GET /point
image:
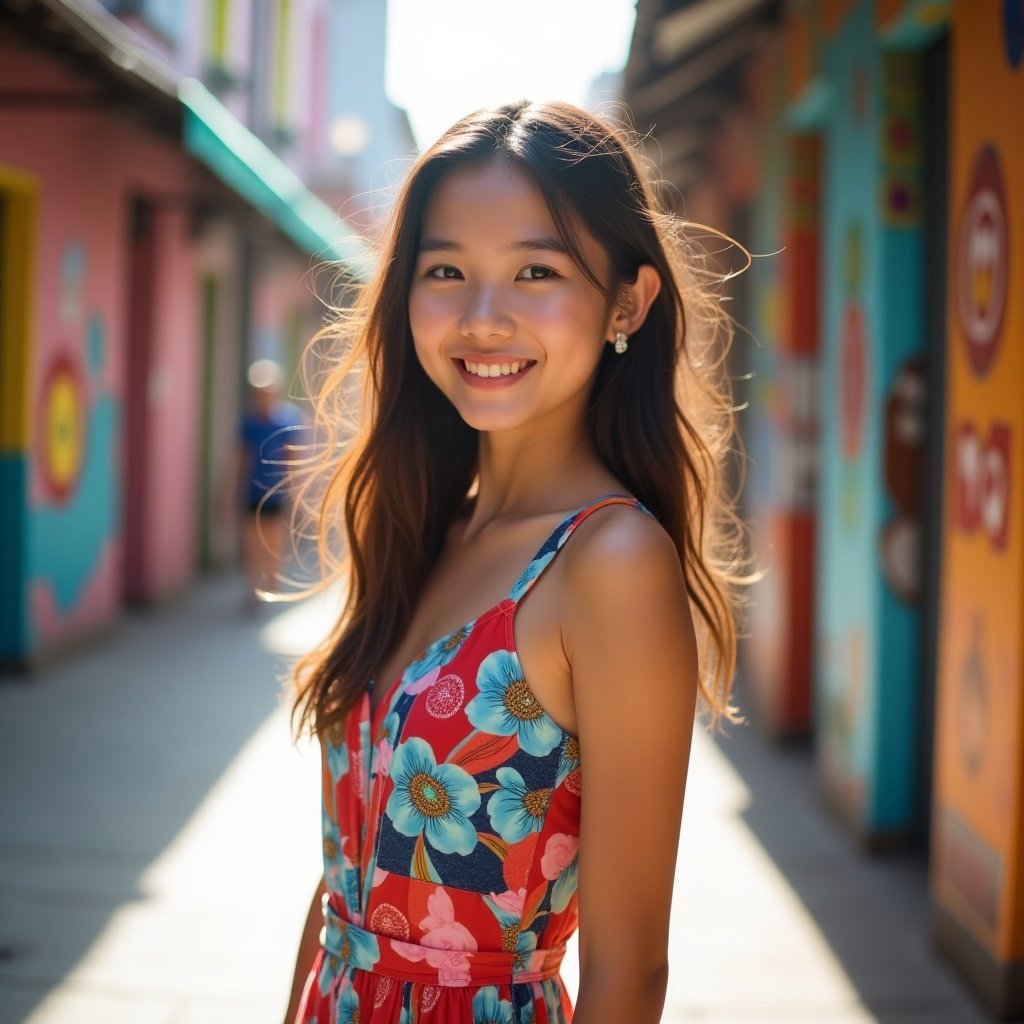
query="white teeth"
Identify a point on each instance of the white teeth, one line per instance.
(493, 369)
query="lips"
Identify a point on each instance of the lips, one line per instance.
(501, 380)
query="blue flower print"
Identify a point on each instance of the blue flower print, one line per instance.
(348, 1006)
(516, 811)
(552, 1003)
(528, 1013)
(533, 570)
(336, 750)
(565, 885)
(435, 799)
(489, 1009)
(569, 761)
(439, 653)
(357, 948)
(526, 945)
(505, 705)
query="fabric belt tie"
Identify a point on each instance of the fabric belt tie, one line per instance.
(364, 950)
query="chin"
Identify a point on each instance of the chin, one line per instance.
(492, 420)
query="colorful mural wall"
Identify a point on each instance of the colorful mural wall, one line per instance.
(18, 198)
(64, 370)
(872, 436)
(783, 477)
(978, 830)
(75, 482)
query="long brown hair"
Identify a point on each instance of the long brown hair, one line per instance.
(661, 418)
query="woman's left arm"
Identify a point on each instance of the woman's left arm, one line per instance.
(630, 641)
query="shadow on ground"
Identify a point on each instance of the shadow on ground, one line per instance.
(872, 909)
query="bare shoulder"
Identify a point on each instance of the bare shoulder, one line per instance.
(619, 552)
(624, 586)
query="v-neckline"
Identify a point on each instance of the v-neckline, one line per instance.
(388, 694)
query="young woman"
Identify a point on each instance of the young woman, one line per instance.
(505, 716)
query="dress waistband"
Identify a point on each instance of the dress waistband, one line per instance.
(364, 950)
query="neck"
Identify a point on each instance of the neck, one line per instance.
(535, 470)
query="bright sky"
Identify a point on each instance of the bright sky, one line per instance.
(448, 57)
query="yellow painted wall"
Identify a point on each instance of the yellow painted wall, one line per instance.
(18, 195)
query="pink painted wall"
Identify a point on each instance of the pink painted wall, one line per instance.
(173, 402)
(88, 163)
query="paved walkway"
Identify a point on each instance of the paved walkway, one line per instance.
(159, 843)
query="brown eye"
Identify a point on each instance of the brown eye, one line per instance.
(536, 272)
(445, 272)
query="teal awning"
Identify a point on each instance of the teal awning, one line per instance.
(247, 166)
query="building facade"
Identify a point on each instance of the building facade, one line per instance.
(875, 147)
(157, 233)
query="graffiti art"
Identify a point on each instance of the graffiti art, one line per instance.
(982, 262)
(62, 426)
(982, 481)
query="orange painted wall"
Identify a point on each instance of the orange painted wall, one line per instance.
(978, 833)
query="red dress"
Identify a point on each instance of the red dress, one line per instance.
(450, 837)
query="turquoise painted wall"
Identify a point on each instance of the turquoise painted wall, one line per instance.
(13, 617)
(866, 638)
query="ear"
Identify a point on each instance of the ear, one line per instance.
(635, 301)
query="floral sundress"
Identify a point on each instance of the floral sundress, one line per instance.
(450, 838)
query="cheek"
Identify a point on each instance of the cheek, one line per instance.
(427, 314)
(569, 309)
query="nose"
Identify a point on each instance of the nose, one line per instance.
(485, 314)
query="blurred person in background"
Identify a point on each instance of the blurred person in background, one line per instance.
(268, 435)
(542, 362)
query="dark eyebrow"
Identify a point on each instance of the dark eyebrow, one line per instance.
(544, 244)
(539, 245)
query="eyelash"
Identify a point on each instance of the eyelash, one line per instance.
(432, 272)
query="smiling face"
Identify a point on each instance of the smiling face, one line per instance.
(503, 321)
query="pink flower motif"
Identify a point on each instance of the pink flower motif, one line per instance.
(384, 752)
(379, 874)
(444, 943)
(559, 851)
(425, 681)
(509, 901)
(357, 773)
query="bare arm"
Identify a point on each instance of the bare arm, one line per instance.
(629, 637)
(308, 946)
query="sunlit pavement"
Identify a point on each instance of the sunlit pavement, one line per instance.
(159, 842)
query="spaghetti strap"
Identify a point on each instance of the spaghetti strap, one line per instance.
(561, 533)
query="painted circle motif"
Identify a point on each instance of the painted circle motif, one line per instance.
(983, 262)
(445, 697)
(572, 782)
(387, 919)
(62, 427)
(853, 381)
(429, 995)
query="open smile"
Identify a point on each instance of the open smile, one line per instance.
(493, 374)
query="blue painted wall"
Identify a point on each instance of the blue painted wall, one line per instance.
(14, 641)
(866, 638)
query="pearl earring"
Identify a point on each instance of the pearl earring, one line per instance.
(621, 344)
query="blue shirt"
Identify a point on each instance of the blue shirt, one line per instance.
(267, 441)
